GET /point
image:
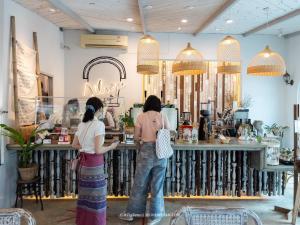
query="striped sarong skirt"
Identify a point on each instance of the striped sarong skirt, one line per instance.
(91, 203)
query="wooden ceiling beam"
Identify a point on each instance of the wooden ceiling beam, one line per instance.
(63, 8)
(142, 16)
(214, 16)
(272, 22)
(290, 35)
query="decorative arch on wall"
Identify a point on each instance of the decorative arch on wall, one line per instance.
(104, 59)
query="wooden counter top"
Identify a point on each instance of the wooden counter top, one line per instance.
(234, 145)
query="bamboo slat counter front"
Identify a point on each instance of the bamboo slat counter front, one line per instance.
(204, 169)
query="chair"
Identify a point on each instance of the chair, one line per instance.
(35, 184)
(215, 216)
(13, 217)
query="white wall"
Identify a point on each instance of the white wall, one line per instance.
(268, 93)
(51, 62)
(293, 92)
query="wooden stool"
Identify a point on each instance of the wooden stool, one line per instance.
(36, 186)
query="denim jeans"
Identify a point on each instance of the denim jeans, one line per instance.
(150, 173)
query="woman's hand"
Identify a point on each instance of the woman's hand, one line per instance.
(114, 145)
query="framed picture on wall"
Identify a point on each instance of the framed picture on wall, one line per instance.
(46, 85)
(46, 93)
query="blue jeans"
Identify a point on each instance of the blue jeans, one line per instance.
(150, 172)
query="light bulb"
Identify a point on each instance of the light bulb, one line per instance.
(189, 52)
(227, 42)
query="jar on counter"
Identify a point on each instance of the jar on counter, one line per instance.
(195, 134)
(187, 133)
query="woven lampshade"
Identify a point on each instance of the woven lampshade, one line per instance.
(267, 63)
(189, 62)
(148, 55)
(229, 56)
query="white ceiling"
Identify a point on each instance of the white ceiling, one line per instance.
(166, 15)
(248, 14)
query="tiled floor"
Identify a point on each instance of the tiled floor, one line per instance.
(61, 211)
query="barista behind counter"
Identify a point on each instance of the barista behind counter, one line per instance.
(108, 120)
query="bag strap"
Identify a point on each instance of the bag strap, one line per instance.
(86, 130)
(163, 121)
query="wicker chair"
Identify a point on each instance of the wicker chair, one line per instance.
(14, 217)
(215, 216)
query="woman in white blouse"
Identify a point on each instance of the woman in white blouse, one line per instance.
(89, 139)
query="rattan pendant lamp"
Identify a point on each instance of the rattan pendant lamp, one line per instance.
(229, 56)
(267, 63)
(189, 62)
(148, 56)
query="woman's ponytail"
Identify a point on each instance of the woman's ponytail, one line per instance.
(92, 106)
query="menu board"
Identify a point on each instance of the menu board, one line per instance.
(27, 83)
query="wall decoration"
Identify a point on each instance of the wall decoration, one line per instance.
(188, 92)
(27, 83)
(99, 88)
(104, 59)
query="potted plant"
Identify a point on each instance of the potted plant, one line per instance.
(128, 123)
(27, 169)
(276, 130)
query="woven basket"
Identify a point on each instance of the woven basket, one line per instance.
(29, 173)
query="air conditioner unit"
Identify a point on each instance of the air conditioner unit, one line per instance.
(103, 41)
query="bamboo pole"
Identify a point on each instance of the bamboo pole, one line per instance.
(192, 99)
(181, 87)
(14, 69)
(223, 92)
(37, 65)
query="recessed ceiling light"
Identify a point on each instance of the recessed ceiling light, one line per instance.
(184, 21)
(129, 19)
(229, 21)
(179, 28)
(52, 10)
(92, 3)
(189, 7)
(148, 7)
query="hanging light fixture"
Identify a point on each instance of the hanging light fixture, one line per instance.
(189, 62)
(148, 56)
(267, 63)
(229, 56)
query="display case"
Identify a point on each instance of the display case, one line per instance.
(60, 117)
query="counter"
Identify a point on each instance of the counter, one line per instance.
(234, 169)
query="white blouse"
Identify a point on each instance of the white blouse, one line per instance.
(87, 132)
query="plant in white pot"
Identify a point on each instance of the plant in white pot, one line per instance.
(27, 169)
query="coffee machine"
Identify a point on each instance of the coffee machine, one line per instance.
(205, 126)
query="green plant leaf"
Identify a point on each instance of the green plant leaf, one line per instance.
(13, 134)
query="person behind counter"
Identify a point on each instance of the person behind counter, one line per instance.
(71, 115)
(91, 203)
(109, 120)
(150, 171)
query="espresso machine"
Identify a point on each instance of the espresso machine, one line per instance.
(205, 127)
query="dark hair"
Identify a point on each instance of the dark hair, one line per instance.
(73, 101)
(152, 103)
(92, 106)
